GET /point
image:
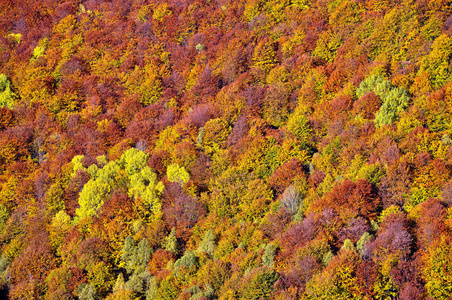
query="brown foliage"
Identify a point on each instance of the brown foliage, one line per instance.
(285, 174)
(366, 274)
(180, 210)
(275, 223)
(393, 237)
(74, 188)
(359, 197)
(340, 106)
(299, 234)
(395, 184)
(367, 105)
(6, 117)
(127, 110)
(32, 266)
(159, 261)
(430, 225)
(91, 251)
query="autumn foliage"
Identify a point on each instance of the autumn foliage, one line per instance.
(257, 149)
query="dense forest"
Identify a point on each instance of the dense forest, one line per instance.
(220, 149)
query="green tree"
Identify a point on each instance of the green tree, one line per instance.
(134, 258)
(143, 255)
(395, 99)
(144, 185)
(128, 254)
(86, 292)
(5, 271)
(134, 160)
(374, 83)
(135, 283)
(178, 174)
(7, 96)
(186, 264)
(348, 245)
(152, 289)
(170, 242)
(365, 238)
(269, 255)
(258, 284)
(208, 243)
(92, 198)
(394, 103)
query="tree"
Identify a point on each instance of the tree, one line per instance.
(208, 243)
(144, 185)
(277, 106)
(61, 224)
(170, 242)
(92, 198)
(57, 281)
(216, 131)
(100, 276)
(128, 254)
(393, 103)
(29, 270)
(367, 105)
(327, 45)
(119, 284)
(86, 292)
(226, 192)
(144, 252)
(269, 255)
(134, 258)
(167, 290)
(134, 160)
(178, 174)
(359, 197)
(254, 203)
(298, 125)
(437, 63)
(394, 99)
(6, 117)
(264, 55)
(7, 96)
(160, 260)
(291, 199)
(258, 284)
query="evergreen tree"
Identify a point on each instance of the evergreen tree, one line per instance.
(170, 242)
(208, 243)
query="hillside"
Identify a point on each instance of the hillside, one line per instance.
(219, 149)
